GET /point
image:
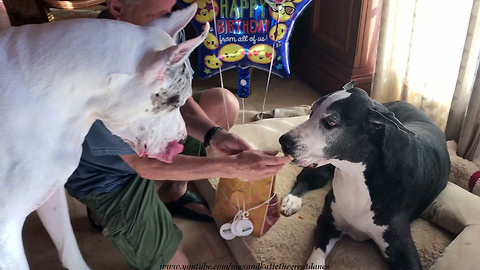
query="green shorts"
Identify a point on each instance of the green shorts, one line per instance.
(137, 221)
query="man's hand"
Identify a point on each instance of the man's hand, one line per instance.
(226, 143)
(257, 165)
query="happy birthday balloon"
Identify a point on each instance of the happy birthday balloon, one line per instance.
(245, 33)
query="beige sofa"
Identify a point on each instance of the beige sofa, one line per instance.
(447, 236)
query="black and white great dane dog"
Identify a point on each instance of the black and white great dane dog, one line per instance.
(388, 163)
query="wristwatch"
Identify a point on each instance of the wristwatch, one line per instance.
(209, 135)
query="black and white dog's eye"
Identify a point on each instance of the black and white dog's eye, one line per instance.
(329, 122)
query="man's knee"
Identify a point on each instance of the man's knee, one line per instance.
(217, 98)
(213, 103)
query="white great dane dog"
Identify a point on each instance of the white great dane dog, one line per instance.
(56, 80)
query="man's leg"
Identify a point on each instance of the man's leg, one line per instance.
(179, 258)
(212, 102)
(139, 224)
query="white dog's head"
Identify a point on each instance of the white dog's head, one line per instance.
(148, 116)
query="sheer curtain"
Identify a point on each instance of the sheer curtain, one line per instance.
(428, 54)
(463, 123)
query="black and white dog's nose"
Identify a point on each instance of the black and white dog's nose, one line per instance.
(287, 142)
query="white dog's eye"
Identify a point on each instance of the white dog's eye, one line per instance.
(141, 128)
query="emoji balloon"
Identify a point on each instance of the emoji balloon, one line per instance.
(243, 34)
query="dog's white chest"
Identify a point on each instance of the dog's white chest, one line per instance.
(351, 209)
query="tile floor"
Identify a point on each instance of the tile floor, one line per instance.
(201, 242)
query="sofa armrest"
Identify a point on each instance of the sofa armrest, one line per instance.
(454, 209)
(462, 253)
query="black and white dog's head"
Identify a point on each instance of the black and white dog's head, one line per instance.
(343, 125)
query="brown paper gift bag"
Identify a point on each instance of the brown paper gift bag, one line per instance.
(232, 193)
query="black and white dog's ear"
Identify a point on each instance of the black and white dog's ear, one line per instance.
(173, 22)
(348, 85)
(175, 55)
(379, 120)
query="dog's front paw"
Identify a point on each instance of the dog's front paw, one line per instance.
(317, 259)
(290, 205)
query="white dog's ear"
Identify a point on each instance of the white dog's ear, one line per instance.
(175, 55)
(173, 22)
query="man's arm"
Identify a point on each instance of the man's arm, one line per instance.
(198, 123)
(252, 165)
(196, 120)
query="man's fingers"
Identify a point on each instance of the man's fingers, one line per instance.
(244, 145)
(274, 169)
(270, 153)
(272, 160)
(270, 171)
(229, 152)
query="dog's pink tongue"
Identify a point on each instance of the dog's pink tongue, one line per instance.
(173, 148)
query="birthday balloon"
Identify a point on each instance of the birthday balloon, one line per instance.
(245, 33)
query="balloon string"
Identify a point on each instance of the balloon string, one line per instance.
(243, 107)
(220, 66)
(243, 110)
(243, 116)
(269, 73)
(266, 92)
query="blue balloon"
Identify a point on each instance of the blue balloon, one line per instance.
(245, 33)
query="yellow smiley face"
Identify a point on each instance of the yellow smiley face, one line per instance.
(211, 42)
(205, 10)
(286, 12)
(211, 61)
(278, 34)
(297, 1)
(261, 54)
(231, 53)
